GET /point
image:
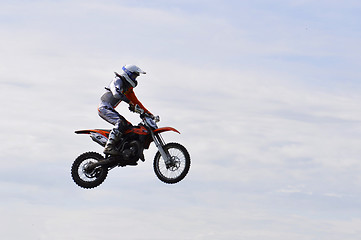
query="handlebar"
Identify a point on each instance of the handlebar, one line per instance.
(143, 114)
(138, 109)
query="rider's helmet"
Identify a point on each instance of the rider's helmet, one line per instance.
(130, 73)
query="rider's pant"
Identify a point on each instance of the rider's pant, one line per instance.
(113, 117)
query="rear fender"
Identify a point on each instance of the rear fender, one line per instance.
(97, 135)
(105, 133)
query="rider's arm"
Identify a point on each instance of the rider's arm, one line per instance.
(131, 96)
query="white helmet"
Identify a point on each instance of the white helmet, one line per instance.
(130, 73)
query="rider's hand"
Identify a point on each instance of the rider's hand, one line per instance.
(132, 107)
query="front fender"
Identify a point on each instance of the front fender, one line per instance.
(165, 129)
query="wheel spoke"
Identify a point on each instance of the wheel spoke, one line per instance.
(176, 166)
(88, 178)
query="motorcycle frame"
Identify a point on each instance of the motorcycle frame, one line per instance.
(155, 134)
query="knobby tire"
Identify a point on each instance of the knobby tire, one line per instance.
(81, 178)
(176, 173)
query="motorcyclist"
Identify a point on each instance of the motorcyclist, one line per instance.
(120, 89)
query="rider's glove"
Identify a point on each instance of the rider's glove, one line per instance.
(131, 107)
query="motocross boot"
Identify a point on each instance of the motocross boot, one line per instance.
(113, 139)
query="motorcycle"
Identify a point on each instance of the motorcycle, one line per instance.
(171, 162)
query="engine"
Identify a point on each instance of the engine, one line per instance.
(131, 151)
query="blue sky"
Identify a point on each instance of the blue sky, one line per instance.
(265, 94)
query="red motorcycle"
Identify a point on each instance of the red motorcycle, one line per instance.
(171, 163)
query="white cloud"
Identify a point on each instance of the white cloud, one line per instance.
(262, 131)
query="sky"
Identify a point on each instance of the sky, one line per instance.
(266, 95)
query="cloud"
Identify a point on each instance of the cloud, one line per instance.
(267, 105)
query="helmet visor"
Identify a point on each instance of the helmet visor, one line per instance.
(134, 76)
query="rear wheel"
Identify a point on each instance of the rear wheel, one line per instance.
(86, 176)
(176, 168)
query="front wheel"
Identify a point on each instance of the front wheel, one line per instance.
(176, 168)
(86, 176)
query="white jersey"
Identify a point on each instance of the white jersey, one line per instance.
(114, 93)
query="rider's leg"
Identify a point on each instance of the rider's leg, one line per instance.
(114, 136)
(113, 139)
(121, 124)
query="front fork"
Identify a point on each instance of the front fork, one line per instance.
(159, 143)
